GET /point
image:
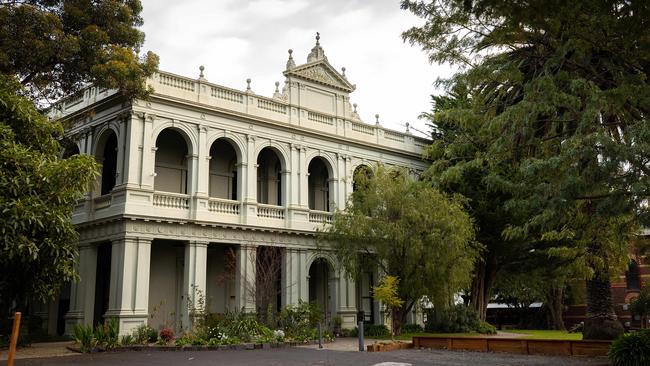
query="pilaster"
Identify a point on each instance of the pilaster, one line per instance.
(129, 282)
(194, 280)
(245, 278)
(82, 292)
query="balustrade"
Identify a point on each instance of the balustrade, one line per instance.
(270, 211)
(171, 200)
(224, 206)
(323, 217)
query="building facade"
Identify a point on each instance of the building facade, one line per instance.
(200, 184)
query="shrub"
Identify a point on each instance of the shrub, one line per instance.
(83, 335)
(632, 349)
(112, 333)
(127, 340)
(299, 321)
(100, 334)
(412, 328)
(144, 334)
(166, 335)
(457, 319)
(244, 326)
(370, 330)
(486, 328)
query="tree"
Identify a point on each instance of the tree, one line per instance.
(406, 229)
(48, 49)
(563, 87)
(386, 292)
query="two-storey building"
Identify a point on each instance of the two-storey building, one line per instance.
(199, 180)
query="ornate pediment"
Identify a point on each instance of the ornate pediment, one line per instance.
(321, 72)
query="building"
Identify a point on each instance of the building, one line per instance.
(200, 181)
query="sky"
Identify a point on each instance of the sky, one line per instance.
(239, 39)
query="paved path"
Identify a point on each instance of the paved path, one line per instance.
(301, 356)
(37, 350)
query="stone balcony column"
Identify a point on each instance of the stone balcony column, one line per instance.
(194, 281)
(82, 293)
(347, 304)
(245, 278)
(129, 283)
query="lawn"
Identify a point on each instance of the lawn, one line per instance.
(526, 333)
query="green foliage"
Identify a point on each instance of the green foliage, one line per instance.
(386, 292)
(632, 349)
(37, 193)
(408, 230)
(83, 335)
(127, 340)
(299, 321)
(412, 328)
(144, 334)
(564, 111)
(457, 319)
(484, 327)
(372, 330)
(57, 47)
(641, 305)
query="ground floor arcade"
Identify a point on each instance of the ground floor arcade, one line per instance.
(156, 272)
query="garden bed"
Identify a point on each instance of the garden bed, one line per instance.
(385, 347)
(516, 345)
(173, 348)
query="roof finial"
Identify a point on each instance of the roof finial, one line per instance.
(317, 53)
(408, 128)
(201, 68)
(377, 119)
(290, 62)
(343, 70)
(355, 107)
(277, 86)
(248, 85)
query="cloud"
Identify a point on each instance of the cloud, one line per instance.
(236, 40)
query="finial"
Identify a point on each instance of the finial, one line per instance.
(201, 68)
(317, 38)
(248, 84)
(343, 70)
(355, 107)
(277, 86)
(317, 52)
(290, 63)
(377, 119)
(408, 125)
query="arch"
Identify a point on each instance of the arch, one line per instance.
(171, 165)
(322, 287)
(320, 184)
(106, 154)
(270, 179)
(69, 148)
(223, 180)
(330, 162)
(279, 149)
(188, 134)
(101, 134)
(236, 142)
(361, 169)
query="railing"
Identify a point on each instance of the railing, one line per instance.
(270, 211)
(171, 200)
(227, 94)
(103, 201)
(225, 206)
(272, 106)
(320, 217)
(395, 136)
(320, 118)
(363, 128)
(176, 82)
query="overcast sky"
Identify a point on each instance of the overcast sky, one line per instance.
(238, 39)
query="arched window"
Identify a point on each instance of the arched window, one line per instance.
(171, 162)
(269, 178)
(107, 157)
(319, 195)
(361, 176)
(223, 170)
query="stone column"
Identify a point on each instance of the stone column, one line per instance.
(82, 293)
(347, 304)
(133, 151)
(249, 184)
(245, 278)
(129, 283)
(194, 281)
(148, 153)
(203, 167)
(291, 277)
(303, 178)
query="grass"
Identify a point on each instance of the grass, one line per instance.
(547, 334)
(526, 334)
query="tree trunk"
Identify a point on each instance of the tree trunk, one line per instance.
(484, 274)
(601, 321)
(555, 303)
